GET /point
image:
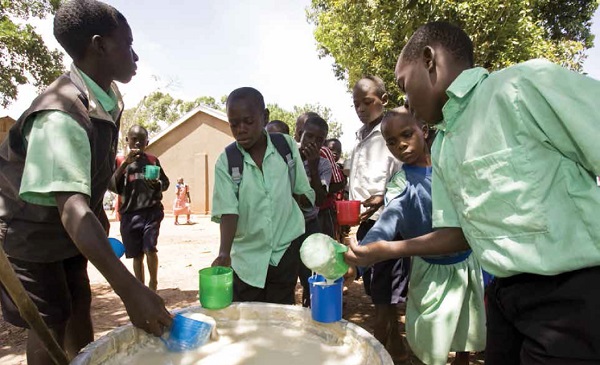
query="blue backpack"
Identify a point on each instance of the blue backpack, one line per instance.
(235, 160)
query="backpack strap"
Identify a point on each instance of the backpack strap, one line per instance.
(285, 151)
(235, 160)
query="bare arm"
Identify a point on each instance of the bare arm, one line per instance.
(145, 308)
(116, 182)
(439, 242)
(228, 227)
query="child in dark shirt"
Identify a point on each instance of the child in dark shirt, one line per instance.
(141, 208)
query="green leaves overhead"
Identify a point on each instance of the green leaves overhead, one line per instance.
(25, 57)
(366, 36)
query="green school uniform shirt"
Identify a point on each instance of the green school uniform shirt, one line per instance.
(514, 166)
(268, 216)
(58, 149)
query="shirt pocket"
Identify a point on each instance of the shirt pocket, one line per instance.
(503, 199)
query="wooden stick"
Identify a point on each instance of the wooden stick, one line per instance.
(28, 310)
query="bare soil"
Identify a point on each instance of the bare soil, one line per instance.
(183, 250)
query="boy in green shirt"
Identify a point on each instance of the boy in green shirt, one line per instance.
(54, 170)
(259, 218)
(514, 165)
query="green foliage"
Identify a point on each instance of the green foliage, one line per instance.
(23, 51)
(289, 117)
(366, 36)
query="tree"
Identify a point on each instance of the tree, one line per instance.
(366, 36)
(22, 49)
(289, 117)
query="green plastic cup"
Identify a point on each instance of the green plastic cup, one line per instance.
(216, 287)
(151, 172)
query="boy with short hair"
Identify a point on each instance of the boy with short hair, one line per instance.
(259, 218)
(141, 208)
(54, 170)
(277, 126)
(327, 218)
(514, 165)
(318, 170)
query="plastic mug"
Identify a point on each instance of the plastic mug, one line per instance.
(189, 331)
(348, 212)
(324, 255)
(216, 287)
(117, 246)
(325, 299)
(151, 172)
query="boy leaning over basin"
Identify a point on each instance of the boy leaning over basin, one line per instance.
(259, 218)
(55, 167)
(514, 167)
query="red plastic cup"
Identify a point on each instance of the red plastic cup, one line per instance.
(348, 212)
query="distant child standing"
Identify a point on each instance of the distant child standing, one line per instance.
(318, 170)
(181, 205)
(141, 208)
(55, 166)
(335, 146)
(259, 218)
(445, 310)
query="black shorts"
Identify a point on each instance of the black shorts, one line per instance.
(280, 285)
(54, 287)
(544, 320)
(140, 230)
(387, 281)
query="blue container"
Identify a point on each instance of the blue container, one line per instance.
(187, 334)
(117, 246)
(325, 299)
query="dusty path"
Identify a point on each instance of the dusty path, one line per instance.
(183, 250)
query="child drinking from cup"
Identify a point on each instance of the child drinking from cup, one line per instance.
(140, 188)
(445, 310)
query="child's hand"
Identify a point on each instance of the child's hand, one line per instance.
(360, 255)
(132, 156)
(147, 310)
(222, 260)
(373, 204)
(311, 152)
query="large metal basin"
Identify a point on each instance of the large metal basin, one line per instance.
(269, 317)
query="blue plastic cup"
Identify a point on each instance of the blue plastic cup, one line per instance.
(188, 333)
(117, 246)
(325, 299)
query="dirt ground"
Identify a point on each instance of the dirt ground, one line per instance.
(183, 250)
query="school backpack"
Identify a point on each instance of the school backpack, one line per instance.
(235, 160)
